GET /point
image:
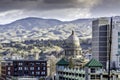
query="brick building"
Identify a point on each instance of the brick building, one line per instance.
(23, 68)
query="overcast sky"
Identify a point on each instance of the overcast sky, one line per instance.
(64, 10)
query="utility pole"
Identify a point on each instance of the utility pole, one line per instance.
(110, 42)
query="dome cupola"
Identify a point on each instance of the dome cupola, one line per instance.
(72, 40)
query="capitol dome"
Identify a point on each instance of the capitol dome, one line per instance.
(72, 40)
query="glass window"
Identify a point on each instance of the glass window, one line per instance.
(118, 33)
(119, 46)
(103, 34)
(103, 28)
(102, 48)
(118, 52)
(118, 39)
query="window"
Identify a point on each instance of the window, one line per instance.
(92, 70)
(43, 64)
(38, 68)
(118, 46)
(118, 33)
(103, 34)
(25, 68)
(37, 73)
(20, 68)
(118, 52)
(32, 64)
(103, 28)
(31, 68)
(20, 63)
(8, 72)
(32, 73)
(43, 68)
(42, 73)
(118, 39)
(8, 68)
(93, 77)
(37, 63)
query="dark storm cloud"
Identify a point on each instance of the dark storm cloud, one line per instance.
(14, 4)
(58, 1)
(57, 9)
(107, 8)
(58, 4)
(44, 4)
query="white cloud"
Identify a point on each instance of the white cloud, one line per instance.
(61, 14)
(10, 16)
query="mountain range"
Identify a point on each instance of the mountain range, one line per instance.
(38, 28)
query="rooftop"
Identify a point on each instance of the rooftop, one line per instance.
(62, 62)
(93, 63)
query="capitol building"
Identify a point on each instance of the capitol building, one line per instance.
(73, 51)
(72, 47)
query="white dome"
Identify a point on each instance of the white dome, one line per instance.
(73, 40)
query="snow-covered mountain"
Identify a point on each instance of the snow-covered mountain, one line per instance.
(38, 28)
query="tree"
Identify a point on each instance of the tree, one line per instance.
(71, 64)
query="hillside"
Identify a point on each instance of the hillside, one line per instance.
(38, 28)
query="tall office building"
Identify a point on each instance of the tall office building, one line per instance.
(100, 40)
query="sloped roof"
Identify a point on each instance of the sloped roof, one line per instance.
(62, 62)
(93, 63)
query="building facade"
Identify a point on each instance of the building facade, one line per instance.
(93, 70)
(100, 40)
(23, 68)
(115, 56)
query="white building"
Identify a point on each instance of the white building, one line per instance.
(115, 56)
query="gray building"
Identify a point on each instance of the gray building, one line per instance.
(100, 40)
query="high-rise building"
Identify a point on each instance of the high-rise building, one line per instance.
(115, 48)
(100, 40)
